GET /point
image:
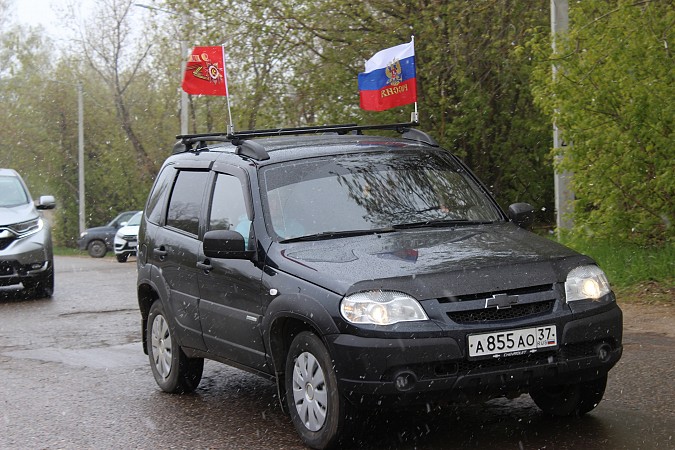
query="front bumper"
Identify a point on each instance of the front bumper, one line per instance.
(375, 372)
(125, 247)
(29, 258)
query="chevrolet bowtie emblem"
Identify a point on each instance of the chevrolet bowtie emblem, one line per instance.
(501, 301)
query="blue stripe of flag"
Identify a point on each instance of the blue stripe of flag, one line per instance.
(377, 79)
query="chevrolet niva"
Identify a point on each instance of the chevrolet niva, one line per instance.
(362, 271)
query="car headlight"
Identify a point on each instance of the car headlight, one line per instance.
(586, 283)
(83, 234)
(27, 228)
(381, 308)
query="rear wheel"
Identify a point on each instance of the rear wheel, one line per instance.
(174, 372)
(320, 414)
(97, 248)
(570, 399)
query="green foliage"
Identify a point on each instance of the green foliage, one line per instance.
(293, 62)
(612, 99)
(628, 264)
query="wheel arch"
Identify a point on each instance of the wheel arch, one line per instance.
(147, 295)
(284, 319)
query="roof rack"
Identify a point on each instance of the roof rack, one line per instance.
(238, 138)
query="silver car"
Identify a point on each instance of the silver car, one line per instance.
(26, 254)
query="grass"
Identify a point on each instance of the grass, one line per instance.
(66, 251)
(643, 273)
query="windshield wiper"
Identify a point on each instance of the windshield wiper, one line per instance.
(439, 223)
(337, 234)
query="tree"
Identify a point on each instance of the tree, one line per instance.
(298, 62)
(611, 99)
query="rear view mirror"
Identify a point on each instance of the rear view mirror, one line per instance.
(522, 214)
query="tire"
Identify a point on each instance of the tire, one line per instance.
(122, 257)
(43, 287)
(321, 416)
(174, 372)
(97, 248)
(570, 399)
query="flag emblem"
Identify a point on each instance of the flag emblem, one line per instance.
(205, 72)
(393, 72)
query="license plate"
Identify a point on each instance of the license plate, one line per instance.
(512, 342)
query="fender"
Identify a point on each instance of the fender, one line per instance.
(302, 308)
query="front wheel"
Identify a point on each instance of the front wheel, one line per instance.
(97, 248)
(570, 399)
(122, 257)
(319, 413)
(174, 372)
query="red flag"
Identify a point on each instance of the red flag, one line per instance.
(205, 72)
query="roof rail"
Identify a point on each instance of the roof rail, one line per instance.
(237, 138)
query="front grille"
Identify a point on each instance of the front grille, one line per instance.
(494, 314)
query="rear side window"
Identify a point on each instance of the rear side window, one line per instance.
(153, 208)
(186, 201)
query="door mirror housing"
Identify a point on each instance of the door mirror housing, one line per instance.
(522, 214)
(226, 244)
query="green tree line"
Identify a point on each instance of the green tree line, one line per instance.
(485, 93)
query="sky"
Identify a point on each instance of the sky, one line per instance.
(44, 12)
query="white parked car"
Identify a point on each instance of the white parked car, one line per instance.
(126, 238)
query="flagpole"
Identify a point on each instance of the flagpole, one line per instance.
(415, 117)
(229, 112)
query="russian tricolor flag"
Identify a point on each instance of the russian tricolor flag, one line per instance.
(389, 80)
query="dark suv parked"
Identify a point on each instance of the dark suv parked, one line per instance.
(97, 241)
(359, 272)
(26, 254)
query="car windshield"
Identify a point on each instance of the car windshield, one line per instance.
(373, 191)
(12, 192)
(135, 219)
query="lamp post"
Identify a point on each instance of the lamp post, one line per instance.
(184, 55)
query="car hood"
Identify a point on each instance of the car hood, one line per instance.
(430, 263)
(128, 230)
(17, 214)
(101, 230)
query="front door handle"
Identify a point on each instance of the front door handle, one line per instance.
(160, 252)
(205, 266)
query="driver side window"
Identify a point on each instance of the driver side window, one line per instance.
(228, 207)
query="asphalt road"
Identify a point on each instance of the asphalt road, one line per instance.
(73, 376)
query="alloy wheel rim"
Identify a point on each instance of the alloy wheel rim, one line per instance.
(309, 391)
(161, 346)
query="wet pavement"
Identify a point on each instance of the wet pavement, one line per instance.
(73, 376)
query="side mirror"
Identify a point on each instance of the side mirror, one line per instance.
(522, 214)
(225, 244)
(46, 202)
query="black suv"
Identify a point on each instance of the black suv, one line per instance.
(361, 271)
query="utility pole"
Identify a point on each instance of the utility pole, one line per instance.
(80, 155)
(563, 195)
